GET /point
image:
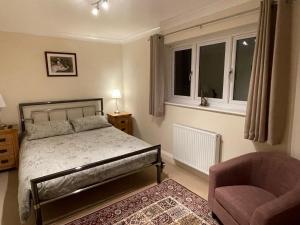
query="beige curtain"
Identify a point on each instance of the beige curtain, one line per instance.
(157, 80)
(267, 106)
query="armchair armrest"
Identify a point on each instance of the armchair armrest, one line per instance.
(232, 172)
(283, 210)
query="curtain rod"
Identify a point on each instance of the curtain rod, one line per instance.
(211, 21)
(219, 19)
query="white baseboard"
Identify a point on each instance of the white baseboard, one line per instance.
(167, 156)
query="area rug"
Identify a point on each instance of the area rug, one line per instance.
(167, 203)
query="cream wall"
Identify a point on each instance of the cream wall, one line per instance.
(136, 91)
(103, 67)
(23, 74)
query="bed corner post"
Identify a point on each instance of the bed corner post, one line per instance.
(159, 165)
(21, 111)
(36, 203)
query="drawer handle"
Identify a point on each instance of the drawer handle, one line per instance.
(2, 139)
(3, 151)
(4, 161)
(123, 121)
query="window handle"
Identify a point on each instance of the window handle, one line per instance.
(230, 73)
(190, 76)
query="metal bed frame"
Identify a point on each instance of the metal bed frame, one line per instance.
(37, 202)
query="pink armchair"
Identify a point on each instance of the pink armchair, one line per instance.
(256, 189)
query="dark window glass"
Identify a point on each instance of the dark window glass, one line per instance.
(211, 70)
(182, 75)
(243, 66)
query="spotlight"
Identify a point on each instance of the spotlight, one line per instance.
(95, 11)
(96, 6)
(105, 4)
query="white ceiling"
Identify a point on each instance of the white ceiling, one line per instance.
(72, 18)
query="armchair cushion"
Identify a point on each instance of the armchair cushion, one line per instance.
(241, 201)
(282, 210)
(232, 172)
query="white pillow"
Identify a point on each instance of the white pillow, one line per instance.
(47, 129)
(89, 123)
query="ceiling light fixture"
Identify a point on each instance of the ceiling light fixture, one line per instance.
(96, 6)
(105, 4)
(95, 11)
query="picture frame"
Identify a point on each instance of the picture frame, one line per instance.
(61, 64)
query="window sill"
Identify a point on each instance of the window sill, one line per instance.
(209, 108)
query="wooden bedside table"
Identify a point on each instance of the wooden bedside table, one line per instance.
(122, 121)
(9, 148)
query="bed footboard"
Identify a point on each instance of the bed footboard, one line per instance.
(37, 203)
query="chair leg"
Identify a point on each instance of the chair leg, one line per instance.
(214, 216)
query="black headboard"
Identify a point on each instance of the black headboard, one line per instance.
(22, 105)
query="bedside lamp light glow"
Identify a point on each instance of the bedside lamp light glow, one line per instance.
(2, 105)
(116, 94)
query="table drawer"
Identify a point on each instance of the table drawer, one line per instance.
(7, 162)
(123, 122)
(5, 139)
(6, 150)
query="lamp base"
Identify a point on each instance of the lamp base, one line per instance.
(117, 112)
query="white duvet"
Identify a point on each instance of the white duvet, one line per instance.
(50, 155)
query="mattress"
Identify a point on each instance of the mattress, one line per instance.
(54, 154)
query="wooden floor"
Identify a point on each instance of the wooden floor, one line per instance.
(73, 207)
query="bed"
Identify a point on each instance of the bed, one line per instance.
(56, 167)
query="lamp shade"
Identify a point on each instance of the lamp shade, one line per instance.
(2, 102)
(116, 93)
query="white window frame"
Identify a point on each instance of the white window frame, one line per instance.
(226, 103)
(224, 99)
(172, 94)
(235, 38)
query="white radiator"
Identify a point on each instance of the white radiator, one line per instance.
(196, 148)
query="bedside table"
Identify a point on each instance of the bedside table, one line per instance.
(122, 121)
(9, 148)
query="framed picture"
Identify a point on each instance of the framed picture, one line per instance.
(61, 64)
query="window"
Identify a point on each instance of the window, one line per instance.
(182, 72)
(243, 65)
(211, 70)
(219, 70)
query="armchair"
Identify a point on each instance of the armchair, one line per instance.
(256, 189)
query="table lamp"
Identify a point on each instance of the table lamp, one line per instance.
(116, 94)
(2, 105)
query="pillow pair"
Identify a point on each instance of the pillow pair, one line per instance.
(89, 123)
(55, 128)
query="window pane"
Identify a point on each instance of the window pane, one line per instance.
(243, 65)
(211, 70)
(182, 83)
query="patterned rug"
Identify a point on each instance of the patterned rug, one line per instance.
(167, 203)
